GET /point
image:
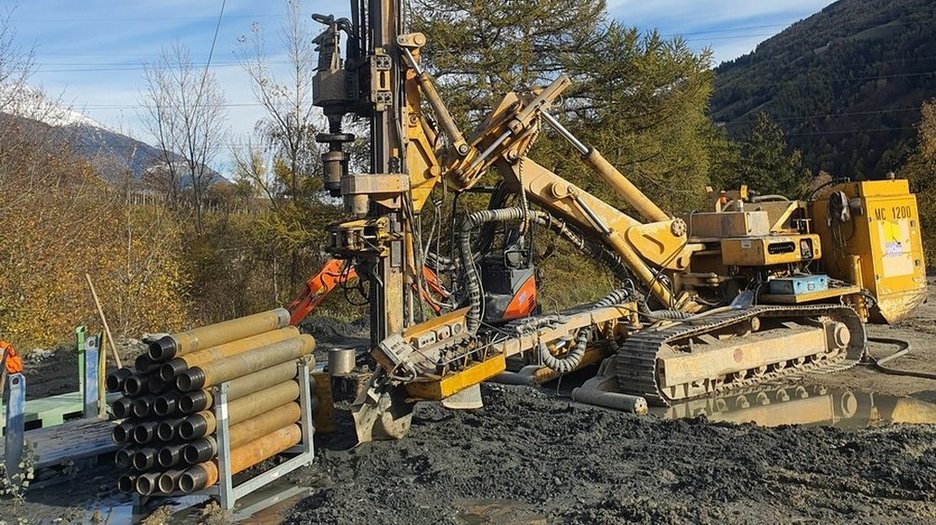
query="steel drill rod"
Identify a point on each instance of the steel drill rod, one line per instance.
(144, 458)
(176, 366)
(134, 385)
(144, 364)
(169, 481)
(204, 423)
(166, 404)
(168, 429)
(122, 407)
(114, 381)
(143, 406)
(615, 400)
(122, 433)
(197, 339)
(243, 457)
(191, 402)
(242, 433)
(145, 432)
(156, 385)
(170, 455)
(126, 483)
(146, 483)
(123, 458)
(223, 370)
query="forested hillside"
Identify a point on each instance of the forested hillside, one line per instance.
(846, 84)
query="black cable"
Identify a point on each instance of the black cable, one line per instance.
(904, 349)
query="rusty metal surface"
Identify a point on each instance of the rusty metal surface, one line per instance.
(243, 364)
(243, 457)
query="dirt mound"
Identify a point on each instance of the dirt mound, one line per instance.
(575, 464)
(332, 331)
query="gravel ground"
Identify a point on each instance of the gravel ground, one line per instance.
(528, 457)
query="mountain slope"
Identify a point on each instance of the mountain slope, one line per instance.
(113, 155)
(846, 84)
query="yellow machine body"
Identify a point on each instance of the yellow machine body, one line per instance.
(878, 247)
(770, 250)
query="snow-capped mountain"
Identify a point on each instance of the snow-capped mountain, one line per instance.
(112, 154)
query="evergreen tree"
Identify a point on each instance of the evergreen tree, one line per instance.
(920, 169)
(767, 165)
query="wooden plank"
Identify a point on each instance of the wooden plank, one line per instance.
(72, 440)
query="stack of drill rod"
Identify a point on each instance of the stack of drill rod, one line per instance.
(168, 426)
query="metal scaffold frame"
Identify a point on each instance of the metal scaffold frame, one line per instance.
(225, 491)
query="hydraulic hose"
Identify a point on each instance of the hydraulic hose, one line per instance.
(573, 358)
(904, 349)
(472, 280)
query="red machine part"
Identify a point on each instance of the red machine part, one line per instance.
(337, 272)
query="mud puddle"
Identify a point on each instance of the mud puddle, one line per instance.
(776, 405)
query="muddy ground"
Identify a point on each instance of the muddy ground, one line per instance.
(531, 457)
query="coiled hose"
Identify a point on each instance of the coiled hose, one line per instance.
(573, 358)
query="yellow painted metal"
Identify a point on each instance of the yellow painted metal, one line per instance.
(323, 403)
(564, 199)
(453, 383)
(884, 233)
(810, 297)
(752, 351)
(220, 333)
(756, 251)
(421, 161)
(658, 243)
(715, 225)
(624, 187)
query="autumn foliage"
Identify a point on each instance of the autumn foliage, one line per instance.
(60, 221)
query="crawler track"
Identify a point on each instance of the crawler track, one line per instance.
(638, 373)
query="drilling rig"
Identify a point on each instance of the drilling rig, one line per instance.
(754, 288)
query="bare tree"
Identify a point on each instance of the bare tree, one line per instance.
(287, 133)
(16, 63)
(184, 112)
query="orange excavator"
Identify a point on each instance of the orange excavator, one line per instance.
(337, 272)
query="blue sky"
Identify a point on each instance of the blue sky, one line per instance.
(91, 52)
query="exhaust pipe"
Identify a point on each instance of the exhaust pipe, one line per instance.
(115, 380)
(196, 339)
(176, 366)
(204, 423)
(206, 474)
(240, 365)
